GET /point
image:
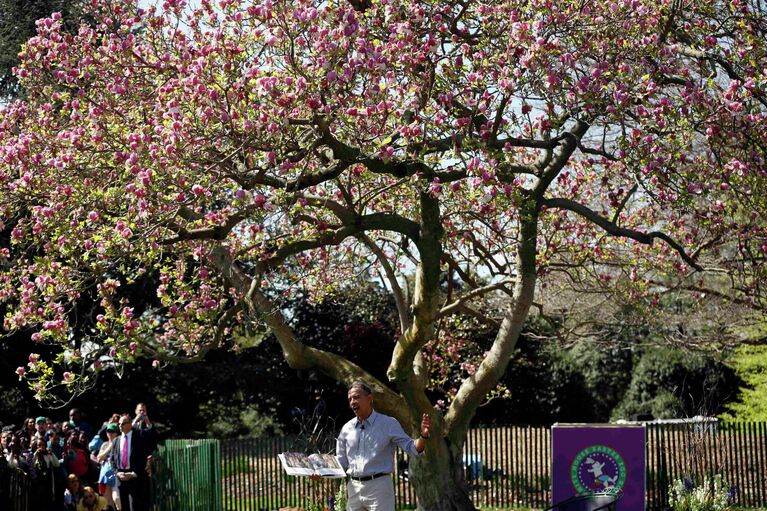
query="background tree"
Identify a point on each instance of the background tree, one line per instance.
(243, 154)
(750, 363)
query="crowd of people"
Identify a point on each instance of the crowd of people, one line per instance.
(73, 467)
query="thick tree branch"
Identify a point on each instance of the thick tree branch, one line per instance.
(353, 226)
(473, 390)
(218, 232)
(425, 305)
(299, 183)
(618, 231)
(297, 354)
(567, 144)
(527, 142)
(330, 237)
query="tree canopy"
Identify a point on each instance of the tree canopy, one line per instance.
(229, 156)
(17, 24)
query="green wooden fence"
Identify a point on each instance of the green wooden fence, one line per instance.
(505, 467)
(187, 476)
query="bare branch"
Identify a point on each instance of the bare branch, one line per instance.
(623, 203)
(474, 293)
(482, 318)
(399, 296)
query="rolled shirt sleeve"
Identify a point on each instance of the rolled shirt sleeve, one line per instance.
(402, 439)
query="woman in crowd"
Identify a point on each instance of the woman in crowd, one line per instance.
(76, 460)
(4, 439)
(26, 432)
(46, 465)
(15, 456)
(108, 482)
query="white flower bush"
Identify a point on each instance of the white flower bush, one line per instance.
(711, 494)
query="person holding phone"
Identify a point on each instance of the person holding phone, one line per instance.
(45, 463)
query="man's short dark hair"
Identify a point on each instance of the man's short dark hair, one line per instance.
(361, 385)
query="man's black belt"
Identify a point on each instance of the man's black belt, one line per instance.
(370, 478)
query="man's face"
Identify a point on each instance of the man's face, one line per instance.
(40, 427)
(140, 409)
(74, 415)
(125, 424)
(360, 403)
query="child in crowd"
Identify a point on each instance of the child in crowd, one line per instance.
(73, 493)
(92, 501)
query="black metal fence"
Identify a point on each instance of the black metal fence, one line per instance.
(737, 450)
(505, 467)
(15, 489)
(511, 467)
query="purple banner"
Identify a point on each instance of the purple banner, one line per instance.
(596, 458)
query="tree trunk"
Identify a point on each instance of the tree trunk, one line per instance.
(438, 478)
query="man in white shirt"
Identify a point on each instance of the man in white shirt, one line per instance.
(365, 448)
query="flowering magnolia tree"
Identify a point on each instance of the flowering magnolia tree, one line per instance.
(226, 156)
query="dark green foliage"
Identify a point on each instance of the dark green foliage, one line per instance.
(599, 382)
(670, 383)
(543, 387)
(550, 383)
(606, 370)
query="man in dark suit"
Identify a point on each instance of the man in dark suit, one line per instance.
(130, 454)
